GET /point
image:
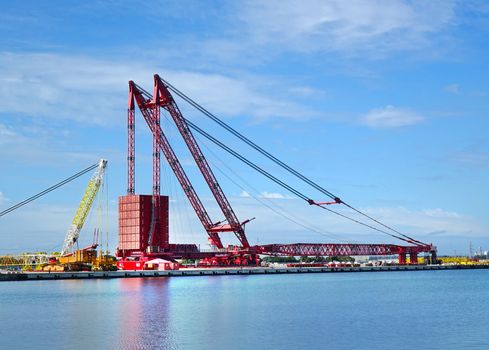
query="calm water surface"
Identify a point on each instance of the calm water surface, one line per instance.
(384, 310)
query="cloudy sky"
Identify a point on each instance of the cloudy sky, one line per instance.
(383, 103)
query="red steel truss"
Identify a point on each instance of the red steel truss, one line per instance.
(339, 249)
(147, 107)
(130, 146)
(345, 249)
(163, 98)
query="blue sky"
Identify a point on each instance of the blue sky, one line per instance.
(383, 103)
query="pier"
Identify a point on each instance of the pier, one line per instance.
(35, 276)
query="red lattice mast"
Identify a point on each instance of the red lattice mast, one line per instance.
(163, 98)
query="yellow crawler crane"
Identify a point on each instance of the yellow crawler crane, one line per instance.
(84, 208)
(80, 259)
(104, 263)
(86, 258)
(83, 260)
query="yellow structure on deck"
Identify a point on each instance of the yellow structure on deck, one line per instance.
(84, 208)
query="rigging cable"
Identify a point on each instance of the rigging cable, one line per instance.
(282, 212)
(52, 188)
(184, 230)
(284, 185)
(279, 162)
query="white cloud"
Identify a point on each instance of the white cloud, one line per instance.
(426, 221)
(436, 225)
(35, 145)
(452, 88)
(390, 117)
(61, 87)
(431, 224)
(53, 222)
(94, 91)
(274, 195)
(475, 158)
(266, 195)
(440, 213)
(3, 199)
(347, 26)
(234, 96)
(307, 91)
(7, 135)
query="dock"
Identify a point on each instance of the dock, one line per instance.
(193, 272)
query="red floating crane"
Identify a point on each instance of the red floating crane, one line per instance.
(150, 109)
(152, 238)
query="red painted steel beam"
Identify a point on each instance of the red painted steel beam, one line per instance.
(339, 249)
(163, 98)
(130, 143)
(155, 224)
(146, 107)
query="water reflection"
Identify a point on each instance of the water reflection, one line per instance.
(144, 314)
(344, 311)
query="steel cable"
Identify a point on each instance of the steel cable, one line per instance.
(281, 183)
(278, 161)
(52, 188)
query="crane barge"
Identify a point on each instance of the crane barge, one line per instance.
(143, 219)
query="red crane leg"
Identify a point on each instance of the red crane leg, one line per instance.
(130, 147)
(146, 106)
(413, 258)
(163, 98)
(402, 258)
(154, 235)
(156, 155)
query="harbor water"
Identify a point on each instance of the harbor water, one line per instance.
(372, 310)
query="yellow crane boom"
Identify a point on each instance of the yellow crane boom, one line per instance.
(84, 207)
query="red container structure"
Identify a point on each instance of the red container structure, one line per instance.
(135, 221)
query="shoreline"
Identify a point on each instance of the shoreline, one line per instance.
(37, 276)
